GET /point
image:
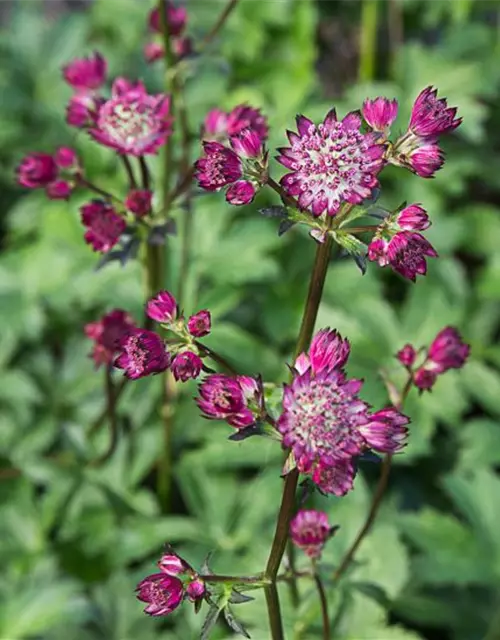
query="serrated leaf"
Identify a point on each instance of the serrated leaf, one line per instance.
(285, 225)
(247, 432)
(235, 624)
(210, 621)
(239, 598)
(274, 212)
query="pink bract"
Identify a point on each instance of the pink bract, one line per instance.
(331, 163)
(243, 117)
(199, 324)
(163, 308)
(195, 589)
(310, 530)
(143, 353)
(86, 74)
(380, 113)
(82, 110)
(132, 121)
(104, 225)
(431, 116)
(186, 365)
(162, 593)
(59, 190)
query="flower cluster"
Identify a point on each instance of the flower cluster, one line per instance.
(447, 351)
(176, 17)
(397, 243)
(310, 530)
(107, 334)
(104, 225)
(144, 352)
(58, 174)
(85, 76)
(239, 400)
(325, 424)
(164, 591)
(220, 125)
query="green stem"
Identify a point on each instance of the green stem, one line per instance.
(130, 172)
(324, 606)
(368, 40)
(102, 416)
(111, 398)
(105, 194)
(211, 35)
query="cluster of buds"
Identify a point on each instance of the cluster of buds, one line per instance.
(144, 352)
(176, 18)
(447, 351)
(58, 174)
(164, 591)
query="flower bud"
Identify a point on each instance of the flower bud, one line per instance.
(199, 324)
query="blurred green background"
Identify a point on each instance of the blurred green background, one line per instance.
(75, 539)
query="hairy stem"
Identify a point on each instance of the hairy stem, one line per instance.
(212, 34)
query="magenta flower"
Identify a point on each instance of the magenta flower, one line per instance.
(153, 51)
(163, 308)
(423, 158)
(413, 218)
(142, 353)
(36, 170)
(82, 110)
(310, 530)
(325, 423)
(176, 19)
(200, 323)
(139, 201)
(432, 117)
(405, 252)
(86, 74)
(335, 479)
(424, 379)
(107, 334)
(380, 113)
(104, 225)
(172, 564)
(228, 398)
(196, 589)
(448, 351)
(59, 190)
(66, 158)
(220, 125)
(161, 592)
(331, 163)
(186, 365)
(215, 125)
(407, 355)
(133, 121)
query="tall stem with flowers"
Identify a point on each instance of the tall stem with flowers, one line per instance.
(333, 172)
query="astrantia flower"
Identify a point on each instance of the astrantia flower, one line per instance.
(36, 170)
(405, 252)
(138, 201)
(310, 530)
(412, 218)
(448, 350)
(172, 564)
(407, 355)
(422, 156)
(228, 398)
(82, 110)
(103, 223)
(336, 479)
(162, 593)
(186, 365)
(195, 589)
(176, 19)
(59, 190)
(133, 121)
(430, 116)
(242, 168)
(107, 334)
(153, 51)
(380, 113)
(325, 423)
(142, 354)
(331, 163)
(86, 74)
(163, 308)
(220, 125)
(199, 324)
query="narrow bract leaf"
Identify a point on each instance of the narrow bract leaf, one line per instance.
(247, 432)
(285, 225)
(274, 212)
(235, 625)
(210, 622)
(239, 598)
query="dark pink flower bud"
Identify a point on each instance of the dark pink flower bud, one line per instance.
(186, 365)
(413, 218)
(199, 324)
(103, 223)
(386, 431)
(328, 351)
(424, 378)
(182, 47)
(59, 190)
(310, 530)
(430, 116)
(86, 74)
(161, 592)
(406, 253)
(82, 110)
(66, 158)
(153, 51)
(407, 355)
(226, 398)
(215, 125)
(240, 193)
(336, 479)
(142, 353)
(196, 589)
(107, 333)
(245, 117)
(139, 201)
(380, 113)
(163, 308)
(172, 565)
(425, 159)
(36, 170)
(176, 19)
(448, 351)
(247, 144)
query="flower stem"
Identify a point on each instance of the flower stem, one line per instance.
(316, 285)
(105, 194)
(324, 606)
(368, 40)
(130, 172)
(377, 497)
(111, 398)
(212, 34)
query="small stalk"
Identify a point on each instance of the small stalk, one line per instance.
(130, 172)
(111, 398)
(324, 604)
(214, 31)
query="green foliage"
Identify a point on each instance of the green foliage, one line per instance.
(76, 538)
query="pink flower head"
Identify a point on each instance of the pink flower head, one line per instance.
(240, 193)
(424, 378)
(228, 398)
(139, 201)
(405, 252)
(195, 589)
(186, 365)
(218, 168)
(176, 19)
(133, 121)
(328, 351)
(215, 125)
(432, 117)
(163, 308)
(324, 421)
(104, 225)
(336, 479)
(107, 334)
(142, 353)
(413, 218)
(59, 190)
(82, 110)
(310, 530)
(245, 117)
(36, 170)
(161, 592)
(448, 351)
(153, 51)
(172, 564)
(66, 158)
(199, 324)
(380, 113)
(424, 159)
(331, 163)
(86, 74)
(407, 355)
